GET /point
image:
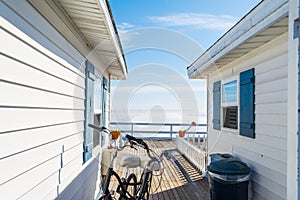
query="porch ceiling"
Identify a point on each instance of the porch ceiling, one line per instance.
(264, 23)
(89, 26)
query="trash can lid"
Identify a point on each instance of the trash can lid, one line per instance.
(229, 167)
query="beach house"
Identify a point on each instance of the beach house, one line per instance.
(57, 59)
(253, 105)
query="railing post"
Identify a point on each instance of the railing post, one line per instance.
(171, 131)
(199, 141)
(131, 129)
(193, 139)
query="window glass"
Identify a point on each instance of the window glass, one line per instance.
(229, 92)
(98, 96)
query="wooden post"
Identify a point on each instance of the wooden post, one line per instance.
(171, 131)
(199, 141)
(131, 129)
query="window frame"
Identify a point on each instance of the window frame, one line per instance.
(98, 87)
(225, 105)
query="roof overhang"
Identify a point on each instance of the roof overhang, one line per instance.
(89, 26)
(266, 21)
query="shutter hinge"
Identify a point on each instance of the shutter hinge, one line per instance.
(296, 28)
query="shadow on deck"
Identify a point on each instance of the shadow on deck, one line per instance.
(179, 180)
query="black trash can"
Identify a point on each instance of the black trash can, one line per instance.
(228, 179)
(219, 156)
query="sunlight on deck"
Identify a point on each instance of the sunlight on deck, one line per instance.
(180, 180)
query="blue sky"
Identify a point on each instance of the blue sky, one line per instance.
(160, 39)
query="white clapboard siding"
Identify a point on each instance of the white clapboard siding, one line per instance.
(20, 185)
(267, 153)
(272, 142)
(269, 184)
(19, 73)
(22, 140)
(73, 155)
(273, 86)
(274, 97)
(79, 191)
(17, 95)
(275, 74)
(17, 119)
(271, 108)
(28, 54)
(41, 108)
(47, 189)
(30, 159)
(276, 120)
(8, 27)
(69, 172)
(272, 130)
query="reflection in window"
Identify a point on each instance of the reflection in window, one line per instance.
(229, 92)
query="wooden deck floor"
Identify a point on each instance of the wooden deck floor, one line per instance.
(179, 179)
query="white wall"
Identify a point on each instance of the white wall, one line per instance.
(267, 153)
(41, 111)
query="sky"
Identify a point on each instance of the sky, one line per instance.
(160, 39)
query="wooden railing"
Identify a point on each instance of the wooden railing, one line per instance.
(194, 151)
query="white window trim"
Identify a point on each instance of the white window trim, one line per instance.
(237, 103)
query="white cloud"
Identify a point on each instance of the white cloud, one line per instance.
(124, 26)
(195, 20)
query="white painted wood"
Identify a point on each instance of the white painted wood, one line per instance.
(293, 102)
(70, 188)
(267, 153)
(71, 154)
(45, 190)
(23, 140)
(19, 186)
(30, 159)
(272, 141)
(41, 108)
(266, 172)
(71, 169)
(275, 74)
(269, 184)
(275, 120)
(26, 75)
(40, 30)
(261, 192)
(275, 62)
(12, 30)
(271, 108)
(274, 97)
(278, 166)
(16, 119)
(274, 86)
(29, 54)
(20, 96)
(195, 155)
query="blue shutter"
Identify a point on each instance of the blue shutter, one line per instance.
(217, 105)
(104, 105)
(89, 111)
(247, 81)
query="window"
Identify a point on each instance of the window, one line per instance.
(98, 96)
(234, 104)
(230, 104)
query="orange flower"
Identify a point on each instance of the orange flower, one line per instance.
(115, 134)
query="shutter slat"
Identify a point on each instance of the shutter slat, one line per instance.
(247, 98)
(217, 105)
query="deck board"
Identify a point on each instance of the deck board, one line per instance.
(177, 183)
